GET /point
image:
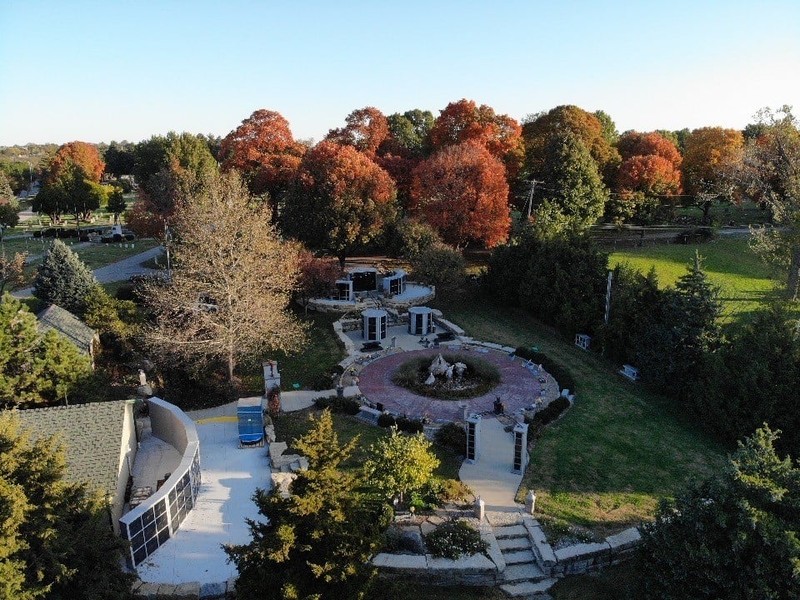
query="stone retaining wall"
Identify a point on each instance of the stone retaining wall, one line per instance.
(225, 590)
(475, 570)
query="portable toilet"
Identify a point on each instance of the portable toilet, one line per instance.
(250, 413)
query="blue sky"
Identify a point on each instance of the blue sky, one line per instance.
(112, 70)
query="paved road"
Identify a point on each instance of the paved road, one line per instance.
(118, 271)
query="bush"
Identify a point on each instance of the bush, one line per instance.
(446, 491)
(550, 413)
(348, 406)
(560, 373)
(454, 539)
(409, 425)
(439, 265)
(386, 420)
(453, 437)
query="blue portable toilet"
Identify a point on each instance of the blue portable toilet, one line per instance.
(250, 412)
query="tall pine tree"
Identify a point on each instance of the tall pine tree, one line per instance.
(63, 279)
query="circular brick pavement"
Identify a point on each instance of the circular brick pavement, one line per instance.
(518, 388)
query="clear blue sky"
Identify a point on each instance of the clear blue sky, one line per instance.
(112, 69)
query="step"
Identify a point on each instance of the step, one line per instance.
(518, 557)
(515, 543)
(507, 531)
(522, 572)
(527, 588)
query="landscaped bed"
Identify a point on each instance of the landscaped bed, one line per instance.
(478, 378)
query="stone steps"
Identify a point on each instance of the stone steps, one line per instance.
(514, 543)
(510, 531)
(522, 572)
(518, 557)
(528, 588)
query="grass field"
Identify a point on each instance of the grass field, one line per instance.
(745, 282)
(605, 465)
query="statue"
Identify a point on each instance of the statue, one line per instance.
(460, 368)
(439, 366)
(430, 380)
(449, 372)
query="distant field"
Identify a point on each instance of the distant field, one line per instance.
(745, 282)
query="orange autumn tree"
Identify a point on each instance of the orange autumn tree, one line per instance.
(339, 200)
(464, 121)
(83, 155)
(648, 177)
(366, 129)
(264, 151)
(461, 191)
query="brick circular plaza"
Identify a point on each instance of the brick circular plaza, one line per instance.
(519, 387)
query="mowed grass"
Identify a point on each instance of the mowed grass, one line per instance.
(616, 452)
(745, 282)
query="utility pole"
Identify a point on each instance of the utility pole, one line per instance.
(529, 201)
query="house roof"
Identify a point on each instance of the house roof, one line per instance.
(92, 438)
(67, 324)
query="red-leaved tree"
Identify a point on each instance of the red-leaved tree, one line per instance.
(366, 129)
(461, 191)
(83, 155)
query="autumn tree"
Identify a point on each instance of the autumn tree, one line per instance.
(264, 151)
(318, 541)
(573, 196)
(340, 199)
(9, 207)
(55, 540)
(77, 154)
(317, 276)
(231, 283)
(650, 171)
(366, 129)
(539, 130)
(464, 121)
(770, 173)
(461, 191)
(12, 269)
(733, 536)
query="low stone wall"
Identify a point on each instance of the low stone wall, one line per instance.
(185, 591)
(475, 570)
(581, 558)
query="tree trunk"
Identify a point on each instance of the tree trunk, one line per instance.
(793, 283)
(342, 257)
(231, 364)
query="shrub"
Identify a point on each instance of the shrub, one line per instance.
(454, 539)
(409, 425)
(386, 420)
(453, 437)
(446, 491)
(560, 373)
(550, 413)
(348, 406)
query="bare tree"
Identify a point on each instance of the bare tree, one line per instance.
(231, 281)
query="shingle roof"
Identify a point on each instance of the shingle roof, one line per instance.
(92, 438)
(67, 324)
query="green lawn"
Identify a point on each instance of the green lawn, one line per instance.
(745, 282)
(615, 453)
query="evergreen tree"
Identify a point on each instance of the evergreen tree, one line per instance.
(35, 369)
(732, 537)
(55, 541)
(573, 192)
(316, 543)
(63, 279)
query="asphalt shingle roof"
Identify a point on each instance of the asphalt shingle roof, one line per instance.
(67, 324)
(92, 438)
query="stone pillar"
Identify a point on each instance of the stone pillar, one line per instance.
(272, 378)
(520, 448)
(473, 427)
(480, 508)
(530, 502)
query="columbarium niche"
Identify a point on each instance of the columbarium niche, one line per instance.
(394, 283)
(375, 321)
(420, 320)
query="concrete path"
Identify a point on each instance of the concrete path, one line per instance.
(490, 477)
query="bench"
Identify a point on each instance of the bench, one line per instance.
(369, 346)
(630, 372)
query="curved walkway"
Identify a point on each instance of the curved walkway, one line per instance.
(519, 387)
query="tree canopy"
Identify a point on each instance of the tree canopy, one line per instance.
(461, 191)
(63, 279)
(340, 199)
(231, 283)
(366, 130)
(77, 154)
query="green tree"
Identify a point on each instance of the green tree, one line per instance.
(55, 541)
(116, 202)
(409, 131)
(573, 195)
(9, 207)
(52, 200)
(63, 368)
(317, 542)
(400, 464)
(63, 279)
(732, 537)
(439, 265)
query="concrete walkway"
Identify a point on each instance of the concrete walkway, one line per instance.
(490, 477)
